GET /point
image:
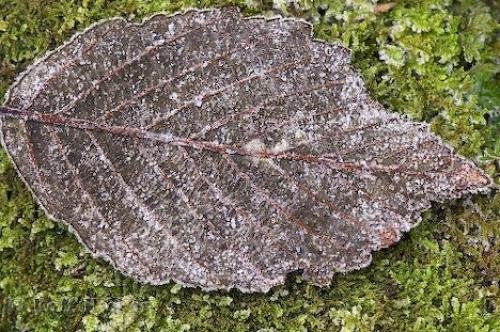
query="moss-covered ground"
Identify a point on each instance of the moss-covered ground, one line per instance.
(434, 60)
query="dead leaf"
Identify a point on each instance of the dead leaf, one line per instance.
(222, 152)
(383, 7)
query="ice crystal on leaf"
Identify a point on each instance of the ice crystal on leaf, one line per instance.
(221, 151)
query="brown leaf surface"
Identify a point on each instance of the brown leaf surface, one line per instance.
(222, 152)
(383, 7)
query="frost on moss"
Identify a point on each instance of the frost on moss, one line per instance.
(441, 277)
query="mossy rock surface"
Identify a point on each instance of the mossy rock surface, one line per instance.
(434, 60)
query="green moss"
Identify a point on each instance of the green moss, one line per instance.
(434, 60)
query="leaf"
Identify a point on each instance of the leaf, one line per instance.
(383, 7)
(222, 152)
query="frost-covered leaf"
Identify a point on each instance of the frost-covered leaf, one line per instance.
(222, 152)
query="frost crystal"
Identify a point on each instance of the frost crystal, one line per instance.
(222, 152)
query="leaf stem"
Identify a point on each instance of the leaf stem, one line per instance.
(57, 120)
